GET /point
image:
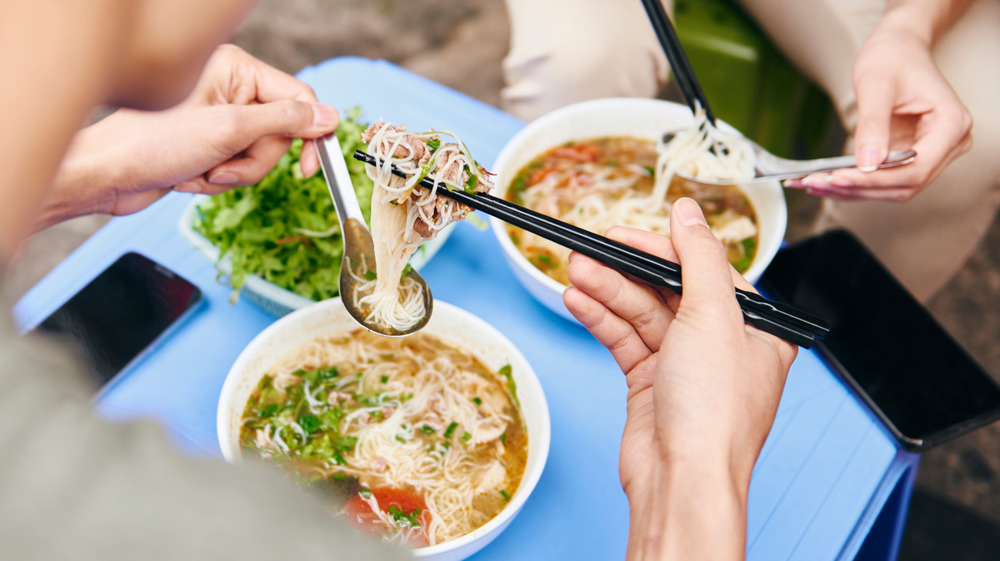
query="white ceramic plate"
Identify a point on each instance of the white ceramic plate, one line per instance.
(272, 298)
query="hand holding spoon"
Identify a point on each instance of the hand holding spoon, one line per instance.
(358, 240)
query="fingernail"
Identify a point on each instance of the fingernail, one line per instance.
(841, 182)
(324, 115)
(814, 180)
(223, 178)
(869, 158)
(188, 187)
(689, 212)
(793, 184)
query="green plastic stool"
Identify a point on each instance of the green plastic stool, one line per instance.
(750, 85)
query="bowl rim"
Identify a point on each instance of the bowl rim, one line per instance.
(513, 146)
(526, 378)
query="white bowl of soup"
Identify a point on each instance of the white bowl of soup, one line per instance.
(593, 164)
(434, 440)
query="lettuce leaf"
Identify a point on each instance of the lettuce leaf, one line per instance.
(285, 227)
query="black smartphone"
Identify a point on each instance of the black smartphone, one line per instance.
(122, 313)
(887, 347)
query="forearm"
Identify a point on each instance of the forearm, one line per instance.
(84, 184)
(927, 19)
(689, 512)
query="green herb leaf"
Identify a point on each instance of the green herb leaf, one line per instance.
(506, 372)
(310, 423)
(450, 430)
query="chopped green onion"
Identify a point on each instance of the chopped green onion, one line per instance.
(450, 430)
(505, 371)
(477, 400)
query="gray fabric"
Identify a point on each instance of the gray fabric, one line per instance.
(73, 486)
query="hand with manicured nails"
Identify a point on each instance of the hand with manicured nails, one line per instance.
(231, 130)
(703, 389)
(903, 102)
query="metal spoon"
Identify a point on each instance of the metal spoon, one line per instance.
(770, 167)
(358, 240)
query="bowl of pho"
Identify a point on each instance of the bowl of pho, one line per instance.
(432, 441)
(610, 162)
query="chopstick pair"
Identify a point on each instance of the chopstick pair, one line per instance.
(679, 64)
(787, 322)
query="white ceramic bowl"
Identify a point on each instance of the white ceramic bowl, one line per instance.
(635, 117)
(449, 323)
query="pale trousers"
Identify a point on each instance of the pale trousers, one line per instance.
(564, 51)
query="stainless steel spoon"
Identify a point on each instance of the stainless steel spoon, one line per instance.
(358, 240)
(770, 167)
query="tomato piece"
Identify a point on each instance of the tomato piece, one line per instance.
(360, 514)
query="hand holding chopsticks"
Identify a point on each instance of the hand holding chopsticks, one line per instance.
(786, 322)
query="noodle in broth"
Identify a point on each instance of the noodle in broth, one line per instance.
(619, 181)
(424, 443)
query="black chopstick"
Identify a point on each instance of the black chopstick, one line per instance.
(787, 322)
(679, 64)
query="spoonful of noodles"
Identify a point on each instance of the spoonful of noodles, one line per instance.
(360, 267)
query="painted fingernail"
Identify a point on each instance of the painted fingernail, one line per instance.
(794, 184)
(689, 212)
(869, 158)
(324, 115)
(223, 178)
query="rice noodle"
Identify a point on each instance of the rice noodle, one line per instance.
(405, 214)
(703, 151)
(596, 196)
(408, 384)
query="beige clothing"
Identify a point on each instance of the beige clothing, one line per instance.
(75, 487)
(602, 48)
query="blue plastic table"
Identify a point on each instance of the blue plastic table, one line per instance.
(828, 478)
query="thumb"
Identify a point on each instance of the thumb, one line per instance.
(286, 117)
(871, 136)
(705, 270)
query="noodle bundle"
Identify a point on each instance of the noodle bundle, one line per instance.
(406, 214)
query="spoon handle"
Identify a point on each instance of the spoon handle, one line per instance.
(338, 179)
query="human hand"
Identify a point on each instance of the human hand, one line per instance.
(903, 102)
(703, 386)
(231, 130)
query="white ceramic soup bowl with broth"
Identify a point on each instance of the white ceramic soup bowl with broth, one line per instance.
(449, 323)
(633, 117)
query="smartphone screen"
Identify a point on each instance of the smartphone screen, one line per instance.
(885, 344)
(121, 313)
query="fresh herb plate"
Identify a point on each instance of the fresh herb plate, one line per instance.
(270, 297)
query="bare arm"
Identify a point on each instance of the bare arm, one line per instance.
(928, 19)
(230, 131)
